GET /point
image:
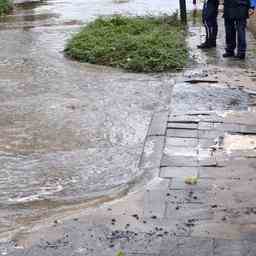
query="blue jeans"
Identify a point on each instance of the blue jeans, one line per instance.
(235, 35)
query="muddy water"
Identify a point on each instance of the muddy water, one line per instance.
(68, 131)
(58, 12)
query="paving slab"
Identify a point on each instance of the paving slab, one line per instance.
(180, 151)
(234, 248)
(182, 142)
(187, 247)
(228, 127)
(181, 161)
(202, 185)
(206, 142)
(178, 172)
(152, 153)
(248, 129)
(182, 133)
(158, 124)
(189, 213)
(205, 125)
(154, 202)
(189, 196)
(184, 119)
(209, 134)
(180, 125)
(217, 230)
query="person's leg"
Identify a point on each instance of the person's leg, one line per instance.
(230, 37)
(207, 32)
(213, 30)
(241, 38)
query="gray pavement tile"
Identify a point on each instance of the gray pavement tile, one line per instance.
(250, 129)
(152, 152)
(178, 172)
(141, 254)
(210, 161)
(187, 196)
(216, 172)
(209, 134)
(184, 119)
(206, 142)
(204, 153)
(167, 227)
(223, 159)
(154, 202)
(158, 124)
(242, 172)
(228, 127)
(189, 213)
(217, 230)
(211, 118)
(182, 133)
(202, 185)
(183, 161)
(181, 142)
(205, 125)
(248, 233)
(187, 247)
(142, 243)
(234, 248)
(243, 153)
(180, 151)
(180, 125)
(244, 216)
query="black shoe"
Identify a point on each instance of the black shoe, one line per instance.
(228, 55)
(240, 56)
(205, 45)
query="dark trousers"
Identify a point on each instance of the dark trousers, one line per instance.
(235, 35)
(211, 28)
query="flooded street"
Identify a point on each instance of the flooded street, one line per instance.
(69, 132)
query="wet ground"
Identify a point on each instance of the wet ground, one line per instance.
(69, 132)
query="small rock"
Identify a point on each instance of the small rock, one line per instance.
(136, 216)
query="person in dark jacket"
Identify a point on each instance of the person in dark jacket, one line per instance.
(209, 15)
(236, 13)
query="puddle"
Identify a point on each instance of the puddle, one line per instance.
(205, 97)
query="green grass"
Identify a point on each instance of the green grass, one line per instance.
(140, 44)
(5, 6)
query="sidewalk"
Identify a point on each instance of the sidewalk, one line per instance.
(209, 132)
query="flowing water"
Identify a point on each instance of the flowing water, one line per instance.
(68, 131)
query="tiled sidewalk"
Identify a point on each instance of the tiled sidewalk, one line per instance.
(217, 216)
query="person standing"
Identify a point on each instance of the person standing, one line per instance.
(236, 13)
(209, 16)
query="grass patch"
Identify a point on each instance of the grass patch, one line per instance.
(5, 6)
(140, 44)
